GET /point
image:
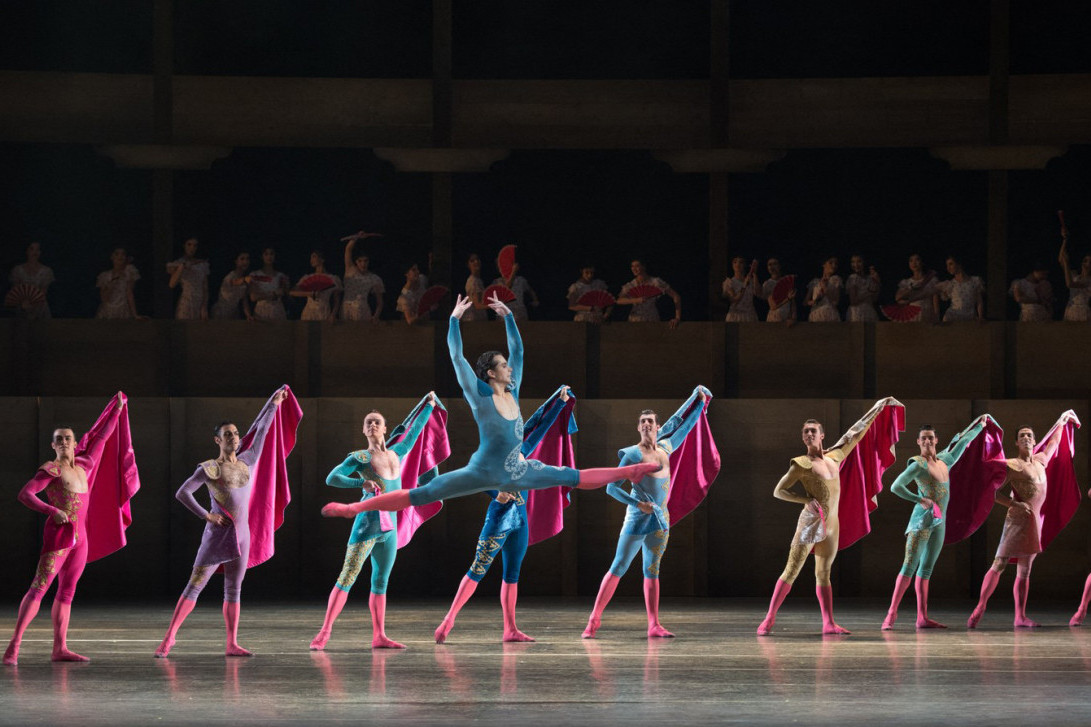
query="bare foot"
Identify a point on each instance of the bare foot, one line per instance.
(888, 622)
(975, 617)
(319, 642)
(658, 632)
(164, 648)
(516, 635)
(442, 631)
(382, 642)
(236, 650)
(927, 623)
(66, 655)
(11, 655)
(337, 509)
(592, 628)
(1026, 623)
(832, 628)
(766, 626)
(1076, 620)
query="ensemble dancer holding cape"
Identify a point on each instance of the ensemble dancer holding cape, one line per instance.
(1044, 497)
(688, 463)
(248, 484)
(938, 488)
(498, 463)
(515, 520)
(408, 458)
(841, 485)
(88, 487)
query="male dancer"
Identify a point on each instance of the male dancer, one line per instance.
(928, 523)
(498, 463)
(247, 483)
(1024, 535)
(375, 469)
(818, 528)
(509, 521)
(647, 519)
(88, 486)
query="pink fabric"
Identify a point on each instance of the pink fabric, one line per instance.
(113, 483)
(1062, 490)
(862, 473)
(545, 508)
(975, 478)
(270, 494)
(694, 466)
(431, 448)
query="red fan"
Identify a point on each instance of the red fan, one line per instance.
(24, 293)
(644, 291)
(908, 313)
(430, 299)
(361, 235)
(316, 283)
(503, 292)
(781, 290)
(596, 299)
(506, 261)
(260, 278)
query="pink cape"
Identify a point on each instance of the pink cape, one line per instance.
(418, 467)
(862, 473)
(270, 494)
(112, 482)
(694, 465)
(975, 478)
(545, 508)
(1062, 491)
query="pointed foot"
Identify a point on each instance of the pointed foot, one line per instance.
(236, 650)
(832, 629)
(164, 648)
(337, 509)
(516, 635)
(658, 632)
(766, 626)
(11, 655)
(927, 623)
(975, 619)
(1026, 623)
(592, 628)
(66, 655)
(319, 642)
(382, 642)
(888, 622)
(442, 631)
(1076, 620)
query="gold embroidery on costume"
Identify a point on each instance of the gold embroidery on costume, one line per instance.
(200, 575)
(1026, 489)
(47, 568)
(797, 556)
(913, 543)
(67, 501)
(487, 548)
(657, 550)
(355, 556)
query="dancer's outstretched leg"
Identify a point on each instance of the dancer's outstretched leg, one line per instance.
(465, 589)
(651, 603)
(779, 594)
(509, 593)
(1081, 612)
(389, 501)
(28, 609)
(988, 585)
(602, 476)
(606, 592)
(62, 613)
(901, 584)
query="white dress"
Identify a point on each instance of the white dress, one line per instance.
(1077, 308)
(269, 310)
(783, 311)
(1032, 309)
(823, 311)
(963, 296)
(358, 286)
(646, 311)
(743, 310)
(521, 288)
(862, 287)
(922, 292)
(577, 291)
(41, 279)
(115, 305)
(318, 304)
(409, 300)
(194, 281)
(228, 305)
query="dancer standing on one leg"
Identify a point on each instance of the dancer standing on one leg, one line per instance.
(377, 469)
(498, 463)
(88, 485)
(248, 485)
(514, 520)
(1039, 506)
(819, 528)
(648, 512)
(928, 523)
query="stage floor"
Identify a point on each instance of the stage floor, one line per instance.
(715, 671)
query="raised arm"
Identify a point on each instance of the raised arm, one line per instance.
(900, 487)
(260, 427)
(402, 448)
(961, 441)
(515, 352)
(1051, 444)
(856, 432)
(682, 421)
(343, 475)
(94, 440)
(465, 374)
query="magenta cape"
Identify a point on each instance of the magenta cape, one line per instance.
(862, 473)
(270, 494)
(421, 465)
(112, 481)
(1062, 490)
(549, 432)
(975, 478)
(694, 465)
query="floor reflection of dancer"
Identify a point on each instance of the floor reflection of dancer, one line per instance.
(90, 481)
(927, 525)
(234, 485)
(818, 528)
(647, 518)
(376, 469)
(507, 528)
(1021, 538)
(498, 463)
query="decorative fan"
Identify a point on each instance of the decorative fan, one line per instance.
(24, 293)
(784, 286)
(909, 313)
(644, 291)
(430, 299)
(597, 299)
(503, 292)
(316, 283)
(260, 278)
(361, 235)
(506, 261)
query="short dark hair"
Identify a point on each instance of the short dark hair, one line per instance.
(646, 412)
(925, 427)
(59, 428)
(815, 421)
(219, 427)
(1019, 429)
(485, 364)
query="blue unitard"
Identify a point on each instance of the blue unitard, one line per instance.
(924, 535)
(498, 463)
(648, 532)
(368, 536)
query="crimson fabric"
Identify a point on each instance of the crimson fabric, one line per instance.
(862, 473)
(1062, 490)
(974, 479)
(419, 466)
(694, 466)
(545, 508)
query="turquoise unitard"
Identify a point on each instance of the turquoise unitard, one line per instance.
(924, 534)
(374, 534)
(648, 532)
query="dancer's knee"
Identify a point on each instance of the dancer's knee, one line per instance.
(999, 564)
